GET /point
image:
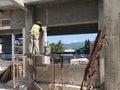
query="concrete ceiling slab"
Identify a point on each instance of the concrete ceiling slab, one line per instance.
(73, 29)
(12, 4)
(5, 4)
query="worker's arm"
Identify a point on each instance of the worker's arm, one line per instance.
(40, 29)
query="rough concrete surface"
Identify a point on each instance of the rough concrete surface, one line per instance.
(73, 75)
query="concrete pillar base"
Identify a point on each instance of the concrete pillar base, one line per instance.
(40, 60)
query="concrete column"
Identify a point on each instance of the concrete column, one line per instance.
(23, 36)
(29, 20)
(13, 45)
(112, 45)
(43, 44)
(24, 60)
(28, 24)
(43, 39)
(101, 60)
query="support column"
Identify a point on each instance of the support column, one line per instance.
(24, 59)
(43, 44)
(112, 45)
(13, 45)
(29, 20)
(43, 39)
(101, 60)
(13, 59)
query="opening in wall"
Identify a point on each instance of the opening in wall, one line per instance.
(5, 24)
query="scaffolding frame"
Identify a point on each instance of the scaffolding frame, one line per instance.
(15, 64)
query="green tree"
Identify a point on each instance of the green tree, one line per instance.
(53, 47)
(87, 45)
(57, 47)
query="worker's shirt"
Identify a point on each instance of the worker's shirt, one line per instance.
(35, 28)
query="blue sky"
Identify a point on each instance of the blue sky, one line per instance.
(66, 39)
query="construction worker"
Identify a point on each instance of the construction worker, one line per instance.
(34, 38)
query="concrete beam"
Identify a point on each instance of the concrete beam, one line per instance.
(50, 1)
(10, 31)
(67, 13)
(19, 3)
(43, 1)
(83, 28)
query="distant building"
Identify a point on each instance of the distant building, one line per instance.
(69, 50)
(78, 61)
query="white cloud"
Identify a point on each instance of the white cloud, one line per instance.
(71, 41)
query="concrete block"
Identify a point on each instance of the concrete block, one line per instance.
(40, 60)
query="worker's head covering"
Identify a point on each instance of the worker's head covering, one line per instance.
(39, 23)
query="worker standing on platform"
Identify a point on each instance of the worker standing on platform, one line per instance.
(34, 38)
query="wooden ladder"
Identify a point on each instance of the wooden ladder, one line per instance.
(94, 59)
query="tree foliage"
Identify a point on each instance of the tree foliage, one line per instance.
(87, 45)
(53, 47)
(85, 48)
(57, 47)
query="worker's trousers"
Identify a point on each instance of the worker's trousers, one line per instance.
(34, 43)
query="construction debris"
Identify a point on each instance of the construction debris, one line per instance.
(21, 81)
(7, 74)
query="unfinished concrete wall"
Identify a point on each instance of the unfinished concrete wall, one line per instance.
(67, 13)
(17, 18)
(73, 74)
(5, 15)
